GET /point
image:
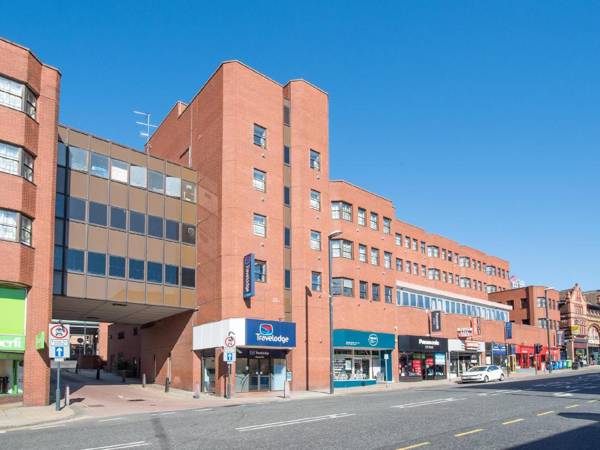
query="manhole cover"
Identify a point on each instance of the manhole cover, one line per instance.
(136, 400)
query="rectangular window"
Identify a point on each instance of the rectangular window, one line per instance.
(173, 187)
(362, 253)
(415, 245)
(374, 256)
(118, 218)
(342, 286)
(98, 214)
(286, 196)
(137, 176)
(315, 160)
(362, 217)
(259, 180)
(408, 267)
(172, 230)
(74, 260)
(188, 191)
(137, 222)
(341, 248)
(287, 275)
(374, 222)
(347, 211)
(260, 271)
(399, 264)
(61, 180)
(260, 136)
(341, 210)
(316, 281)
(422, 247)
(155, 226)
(315, 240)
(155, 272)
(375, 292)
(171, 275)
(259, 225)
(136, 269)
(188, 277)
(96, 263)
(18, 96)
(315, 200)
(287, 236)
(388, 294)
(387, 225)
(76, 209)
(407, 242)
(58, 257)
(387, 260)
(415, 268)
(78, 159)
(286, 112)
(99, 165)
(62, 154)
(27, 168)
(119, 171)
(188, 233)
(116, 266)
(16, 161)
(364, 290)
(156, 182)
(286, 155)
(398, 239)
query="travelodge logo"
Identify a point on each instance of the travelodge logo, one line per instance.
(266, 329)
(266, 334)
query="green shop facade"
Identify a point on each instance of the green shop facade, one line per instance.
(12, 340)
(362, 358)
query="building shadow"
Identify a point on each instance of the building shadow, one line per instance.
(582, 438)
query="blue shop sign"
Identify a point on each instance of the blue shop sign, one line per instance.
(249, 276)
(266, 333)
(363, 339)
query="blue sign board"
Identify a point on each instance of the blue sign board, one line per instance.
(267, 333)
(249, 276)
(508, 330)
(363, 339)
(498, 349)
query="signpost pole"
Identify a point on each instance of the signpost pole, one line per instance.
(228, 386)
(58, 386)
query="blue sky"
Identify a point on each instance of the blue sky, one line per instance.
(480, 120)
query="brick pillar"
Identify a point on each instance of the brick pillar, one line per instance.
(196, 371)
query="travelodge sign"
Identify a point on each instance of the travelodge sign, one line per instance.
(270, 333)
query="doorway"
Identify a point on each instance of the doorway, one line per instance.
(260, 374)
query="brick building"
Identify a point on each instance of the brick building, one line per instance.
(573, 323)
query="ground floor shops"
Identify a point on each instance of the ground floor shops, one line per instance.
(464, 354)
(12, 342)
(422, 358)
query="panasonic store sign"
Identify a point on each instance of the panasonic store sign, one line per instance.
(266, 333)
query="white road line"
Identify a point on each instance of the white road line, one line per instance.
(203, 409)
(562, 394)
(120, 446)
(428, 402)
(111, 419)
(293, 422)
(167, 413)
(2, 431)
(43, 427)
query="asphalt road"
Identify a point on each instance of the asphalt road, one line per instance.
(550, 412)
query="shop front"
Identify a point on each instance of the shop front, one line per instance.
(362, 358)
(495, 354)
(422, 358)
(12, 342)
(464, 354)
(580, 349)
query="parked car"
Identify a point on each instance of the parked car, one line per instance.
(482, 374)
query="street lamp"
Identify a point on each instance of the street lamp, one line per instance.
(331, 235)
(549, 358)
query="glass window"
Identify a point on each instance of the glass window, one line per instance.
(60, 205)
(286, 195)
(17, 96)
(137, 222)
(78, 159)
(388, 294)
(137, 176)
(362, 253)
(259, 225)
(375, 292)
(59, 231)
(362, 216)
(117, 218)
(62, 155)
(171, 275)
(374, 221)
(287, 279)
(259, 180)
(387, 260)
(315, 160)
(342, 286)
(76, 209)
(188, 191)
(156, 182)
(260, 271)
(116, 266)
(315, 240)
(96, 263)
(98, 214)
(188, 277)
(27, 168)
(25, 230)
(347, 211)
(286, 155)
(174, 187)
(119, 171)
(399, 264)
(260, 136)
(188, 233)
(155, 226)
(9, 158)
(58, 257)
(74, 260)
(387, 225)
(99, 165)
(61, 179)
(287, 236)
(315, 200)
(364, 289)
(8, 225)
(316, 281)
(136, 269)
(374, 256)
(155, 272)
(172, 230)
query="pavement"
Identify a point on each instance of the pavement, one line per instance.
(559, 410)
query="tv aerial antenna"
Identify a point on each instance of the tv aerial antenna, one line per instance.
(147, 125)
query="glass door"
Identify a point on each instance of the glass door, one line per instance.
(260, 374)
(208, 374)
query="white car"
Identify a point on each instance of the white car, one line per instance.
(482, 374)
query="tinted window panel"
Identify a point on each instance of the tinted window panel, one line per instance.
(61, 175)
(78, 159)
(74, 260)
(137, 176)
(99, 165)
(136, 269)
(96, 263)
(155, 226)
(188, 277)
(156, 182)
(188, 233)
(60, 205)
(172, 230)
(98, 214)
(154, 272)
(117, 218)
(171, 275)
(76, 209)
(58, 257)
(116, 266)
(119, 171)
(137, 222)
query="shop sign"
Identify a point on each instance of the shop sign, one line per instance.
(264, 333)
(472, 346)
(12, 343)
(436, 321)
(575, 329)
(498, 349)
(362, 339)
(422, 343)
(476, 324)
(40, 341)
(249, 279)
(508, 330)
(465, 332)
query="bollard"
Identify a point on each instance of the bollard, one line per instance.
(97, 373)
(68, 396)
(167, 384)
(143, 380)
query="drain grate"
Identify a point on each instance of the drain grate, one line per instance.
(137, 400)
(95, 406)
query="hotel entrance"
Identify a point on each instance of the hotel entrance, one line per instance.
(259, 370)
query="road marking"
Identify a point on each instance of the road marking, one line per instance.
(572, 406)
(2, 431)
(509, 422)
(111, 419)
(477, 430)
(592, 401)
(285, 423)
(43, 427)
(420, 444)
(167, 413)
(203, 409)
(120, 446)
(545, 413)
(562, 394)
(428, 402)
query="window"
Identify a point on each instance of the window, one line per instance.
(259, 180)
(286, 155)
(137, 222)
(58, 257)
(387, 225)
(172, 230)
(155, 226)
(424, 271)
(171, 275)
(399, 264)
(388, 294)
(465, 282)
(415, 245)
(362, 217)
(406, 241)
(76, 209)
(78, 159)
(188, 277)
(315, 240)
(116, 266)
(315, 160)
(260, 136)
(287, 236)
(74, 260)
(286, 196)
(315, 282)
(17, 96)
(375, 292)
(136, 269)
(260, 271)
(156, 182)
(341, 210)
(137, 176)
(374, 221)
(119, 171)
(117, 218)
(99, 165)
(62, 154)
(173, 187)
(98, 214)
(315, 200)
(362, 253)
(342, 286)
(25, 229)
(374, 256)
(188, 233)
(398, 239)
(363, 290)
(387, 260)
(287, 275)
(259, 225)
(96, 263)
(341, 248)
(450, 278)
(415, 268)
(408, 267)
(16, 161)
(541, 302)
(155, 272)
(423, 247)
(188, 191)
(286, 112)
(433, 251)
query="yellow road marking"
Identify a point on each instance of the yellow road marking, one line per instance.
(477, 430)
(545, 413)
(572, 406)
(421, 444)
(592, 401)
(512, 421)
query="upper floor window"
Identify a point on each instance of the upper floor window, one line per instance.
(341, 210)
(16, 161)
(156, 182)
(406, 241)
(398, 239)
(260, 225)
(286, 195)
(433, 251)
(17, 96)
(260, 136)
(286, 112)
(541, 302)
(286, 155)
(188, 233)
(423, 247)
(362, 217)
(374, 256)
(315, 281)
(315, 200)
(387, 260)
(78, 159)
(362, 253)
(99, 167)
(188, 191)
(259, 180)
(375, 292)
(387, 225)
(119, 171)
(465, 282)
(15, 226)
(341, 248)
(415, 245)
(399, 264)
(342, 286)
(315, 240)
(315, 160)
(260, 271)
(364, 289)
(374, 221)
(388, 294)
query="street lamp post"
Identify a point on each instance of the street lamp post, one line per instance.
(330, 258)
(549, 358)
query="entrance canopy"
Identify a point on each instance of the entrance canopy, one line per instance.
(246, 332)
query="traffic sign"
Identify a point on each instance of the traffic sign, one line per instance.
(59, 337)
(229, 355)
(230, 340)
